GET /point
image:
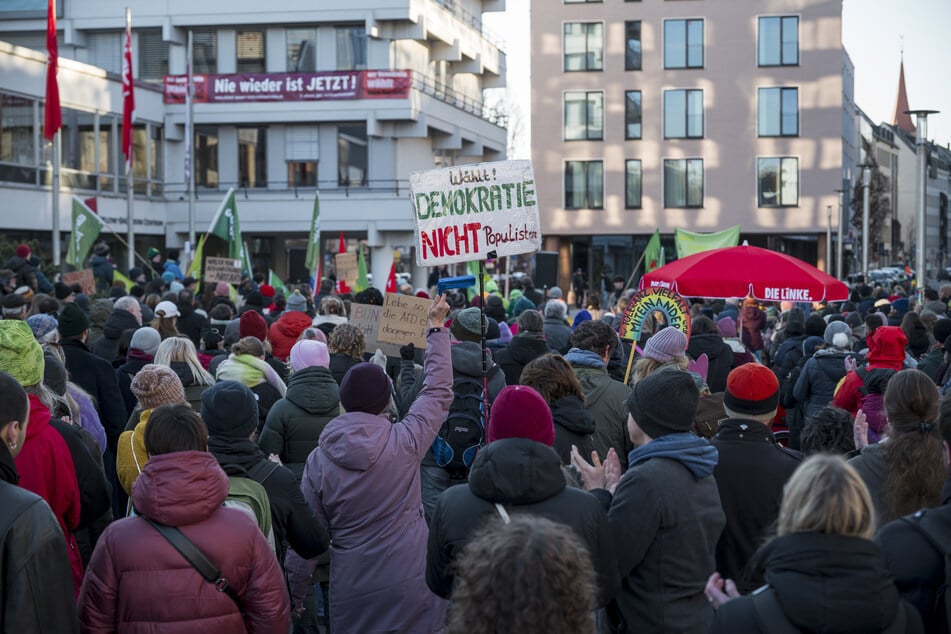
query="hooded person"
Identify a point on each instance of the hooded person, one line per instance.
(885, 357)
(751, 471)
(815, 387)
(312, 400)
(126, 315)
(285, 332)
(363, 482)
(706, 339)
(519, 473)
(933, 362)
(142, 348)
(669, 493)
(229, 410)
(527, 345)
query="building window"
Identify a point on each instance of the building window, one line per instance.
(17, 140)
(632, 51)
(301, 174)
(584, 184)
(683, 183)
(632, 184)
(141, 154)
(778, 179)
(351, 48)
(632, 114)
(252, 157)
(104, 49)
(581, 1)
(584, 115)
(683, 43)
(301, 50)
(779, 41)
(683, 114)
(778, 112)
(205, 52)
(206, 157)
(250, 51)
(153, 55)
(352, 155)
(584, 46)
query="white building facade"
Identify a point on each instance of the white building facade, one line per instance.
(347, 98)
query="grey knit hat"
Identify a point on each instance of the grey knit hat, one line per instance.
(297, 302)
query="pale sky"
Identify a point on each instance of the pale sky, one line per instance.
(872, 33)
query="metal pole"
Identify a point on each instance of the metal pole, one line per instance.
(190, 145)
(130, 225)
(839, 247)
(829, 239)
(57, 247)
(866, 181)
(921, 193)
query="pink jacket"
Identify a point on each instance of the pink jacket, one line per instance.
(363, 484)
(137, 582)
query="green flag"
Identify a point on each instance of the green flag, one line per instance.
(85, 231)
(363, 280)
(653, 254)
(689, 243)
(312, 259)
(225, 225)
(276, 282)
(194, 269)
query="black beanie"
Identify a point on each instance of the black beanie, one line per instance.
(72, 320)
(942, 329)
(230, 410)
(664, 403)
(814, 326)
(365, 388)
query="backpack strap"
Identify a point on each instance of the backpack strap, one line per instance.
(197, 559)
(503, 513)
(262, 470)
(769, 614)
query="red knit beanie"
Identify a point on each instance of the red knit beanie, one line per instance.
(520, 412)
(751, 389)
(252, 325)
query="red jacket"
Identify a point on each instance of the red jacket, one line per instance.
(46, 468)
(137, 582)
(285, 331)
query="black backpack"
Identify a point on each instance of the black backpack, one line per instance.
(936, 533)
(463, 433)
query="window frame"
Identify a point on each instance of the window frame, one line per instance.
(687, 93)
(640, 188)
(780, 204)
(627, 113)
(587, 51)
(629, 65)
(587, 163)
(587, 123)
(759, 39)
(686, 52)
(783, 90)
(687, 161)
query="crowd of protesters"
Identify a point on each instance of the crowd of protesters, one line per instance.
(180, 456)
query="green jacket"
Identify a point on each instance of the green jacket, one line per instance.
(605, 400)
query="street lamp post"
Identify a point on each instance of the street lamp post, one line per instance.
(829, 239)
(866, 183)
(921, 166)
(839, 247)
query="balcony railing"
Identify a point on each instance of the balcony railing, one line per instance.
(429, 86)
(459, 12)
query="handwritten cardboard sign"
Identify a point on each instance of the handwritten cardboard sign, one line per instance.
(223, 270)
(84, 278)
(404, 320)
(346, 266)
(366, 317)
(463, 213)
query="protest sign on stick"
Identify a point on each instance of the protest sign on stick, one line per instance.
(345, 265)
(223, 270)
(366, 317)
(404, 320)
(84, 278)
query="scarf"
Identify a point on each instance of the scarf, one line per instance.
(134, 354)
(250, 371)
(693, 452)
(585, 359)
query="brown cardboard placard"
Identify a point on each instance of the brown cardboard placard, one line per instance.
(346, 267)
(366, 317)
(84, 278)
(404, 320)
(223, 270)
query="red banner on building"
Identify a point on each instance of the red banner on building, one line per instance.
(280, 87)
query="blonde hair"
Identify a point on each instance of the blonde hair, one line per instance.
(332, 306)
(166, 326)
(826, 495)
(248, 345)
(182, 349)
(645, 366)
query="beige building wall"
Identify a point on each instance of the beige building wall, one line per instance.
(729, 78)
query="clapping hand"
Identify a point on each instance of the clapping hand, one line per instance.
(860, 430)
(596, 475)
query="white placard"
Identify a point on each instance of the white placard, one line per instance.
(464, 213)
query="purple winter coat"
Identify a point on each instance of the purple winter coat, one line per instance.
(88, 416)
(362, 481)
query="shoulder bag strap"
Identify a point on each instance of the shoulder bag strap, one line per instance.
(503, 513)
(197, 559)
(262, 470)
(769, 614)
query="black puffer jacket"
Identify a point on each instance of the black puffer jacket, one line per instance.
(107, 345)
(719, 356)
(574, 425)
(340, 363)
(821, 374)
(522, 349)
(295, 422)
(124, 375)
(524, 477)
(191, 323)
(823, 583)
(98, 378)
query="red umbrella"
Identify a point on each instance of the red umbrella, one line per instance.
(745, 270)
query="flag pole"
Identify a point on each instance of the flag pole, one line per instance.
(57, 247)
(630, 280)
(130, 186)
(190, 142)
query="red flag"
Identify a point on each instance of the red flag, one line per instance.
(52, 115)
(391, 280)
(343, 244)
(128, 95)
(92, 204)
